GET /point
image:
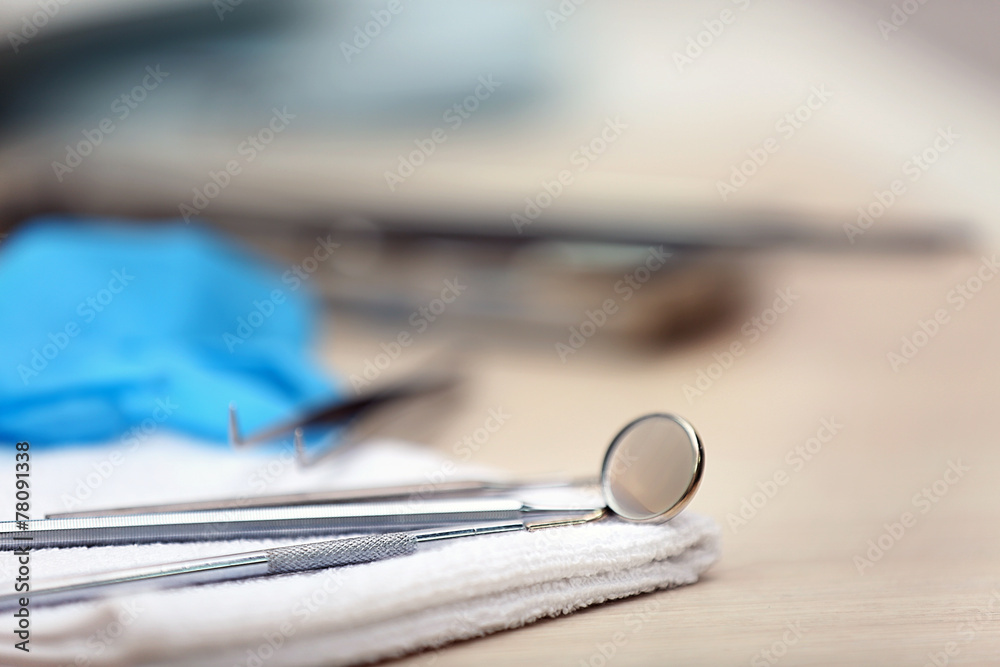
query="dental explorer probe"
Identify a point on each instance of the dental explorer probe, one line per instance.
(279, 560)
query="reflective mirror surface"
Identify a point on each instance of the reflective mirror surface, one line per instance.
(652, 468)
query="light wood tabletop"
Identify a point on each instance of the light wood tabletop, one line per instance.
(856, 491)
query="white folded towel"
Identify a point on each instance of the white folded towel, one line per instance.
(447, 591)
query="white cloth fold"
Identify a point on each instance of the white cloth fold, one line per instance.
(447, 591)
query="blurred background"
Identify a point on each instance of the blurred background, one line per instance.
(692, 92)
(536, 155)
(530, 147)
(361, 95)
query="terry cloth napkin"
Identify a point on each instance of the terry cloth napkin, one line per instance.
(447, 591)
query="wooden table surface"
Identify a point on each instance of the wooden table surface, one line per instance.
(869, 495)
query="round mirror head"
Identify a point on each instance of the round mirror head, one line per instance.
(652, 468)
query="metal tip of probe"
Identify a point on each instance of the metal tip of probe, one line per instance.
(300, 447)
(234, 427)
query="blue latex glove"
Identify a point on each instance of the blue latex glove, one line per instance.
(116, 331)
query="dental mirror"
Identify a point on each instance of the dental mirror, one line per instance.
(653, 468)
(651, 471)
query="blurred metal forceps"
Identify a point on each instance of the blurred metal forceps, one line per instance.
(341, 412)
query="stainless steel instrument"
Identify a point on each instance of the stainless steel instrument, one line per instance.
(279, 560)
(425, 491)
(268, 522)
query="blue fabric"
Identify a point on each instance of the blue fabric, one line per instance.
(117, 331)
